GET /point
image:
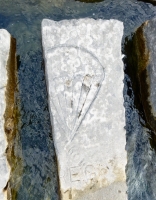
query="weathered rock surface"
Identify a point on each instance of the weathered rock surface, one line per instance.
(142, 60)
(7, 89)
(84, 71)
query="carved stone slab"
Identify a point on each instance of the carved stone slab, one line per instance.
(84, 72)
(5, 39)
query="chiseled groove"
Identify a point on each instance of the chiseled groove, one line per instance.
(68, 96)
(59, 102)
(79, 48)
(59, 119)
(83, 114)
(84, 101)
(76, 110)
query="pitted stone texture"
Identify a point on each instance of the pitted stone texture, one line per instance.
(4, 55)
(84, 71)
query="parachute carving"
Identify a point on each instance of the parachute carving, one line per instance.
(77, 78)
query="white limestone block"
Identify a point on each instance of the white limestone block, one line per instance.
(84, 72)
(5, 40)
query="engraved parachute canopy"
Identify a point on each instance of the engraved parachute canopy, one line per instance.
(76, 79)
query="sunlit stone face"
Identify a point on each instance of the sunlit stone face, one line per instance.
(84, 72)
(75, 84)
(4, 55)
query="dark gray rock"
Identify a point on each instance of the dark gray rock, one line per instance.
(142, 60)
(149, 1)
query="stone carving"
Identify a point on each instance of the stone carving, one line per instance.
(75, 173)
(84, 74)
(74, 86)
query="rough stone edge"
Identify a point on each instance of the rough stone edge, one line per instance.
(10, 115)
(45, 71)
(4, 33)
(138, 60)
(143, 56)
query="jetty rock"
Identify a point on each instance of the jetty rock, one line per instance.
(7, 107)
(84, 74)
(141, 59)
